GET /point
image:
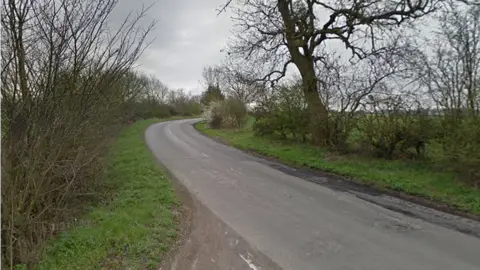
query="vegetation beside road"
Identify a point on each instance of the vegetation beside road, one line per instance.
(69, 85)
(412, 177)
(136, 227)
(394, 116)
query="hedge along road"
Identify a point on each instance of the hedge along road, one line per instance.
(303, 225)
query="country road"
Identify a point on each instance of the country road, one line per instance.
(299, 224)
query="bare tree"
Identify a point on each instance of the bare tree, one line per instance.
(63, 95)
(157, 90)
(240, 85)
(183, 102)
(452, 71)
(346, 86)
(211, 76)
(279, 33)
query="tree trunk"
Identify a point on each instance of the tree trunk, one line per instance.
(317, 111)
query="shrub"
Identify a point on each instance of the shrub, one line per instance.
(149, 109)
(461, 146)
(235, 113)
(286, 114)
(338, 134)
(264, 126)
(396, 134)
(213, 114)
(229, 113)
(418, 132)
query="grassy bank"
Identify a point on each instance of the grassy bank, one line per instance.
(414, 178)
(135, 229)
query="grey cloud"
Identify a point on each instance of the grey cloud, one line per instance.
(188, 35)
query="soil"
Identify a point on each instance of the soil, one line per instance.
(207, 243)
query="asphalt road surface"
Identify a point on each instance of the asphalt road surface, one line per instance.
(303, 225)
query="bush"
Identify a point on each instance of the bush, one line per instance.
(149, 109)
(340, 126)
(461, 146)
(213, 114)
(388, 135)
(235, 113)
(286, 114)
(229, 113)
(264, 126)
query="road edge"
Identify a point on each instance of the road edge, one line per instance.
(191, 208)
(449, 217)
(187, 207)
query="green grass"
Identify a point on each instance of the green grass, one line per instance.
(136, 228)
(414, 178)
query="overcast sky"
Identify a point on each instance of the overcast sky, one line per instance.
(188, 35)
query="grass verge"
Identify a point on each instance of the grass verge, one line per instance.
(413, 178)
(132, 231)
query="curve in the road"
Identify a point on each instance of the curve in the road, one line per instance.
(302, 225)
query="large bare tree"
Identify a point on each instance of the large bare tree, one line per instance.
(275, 34)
